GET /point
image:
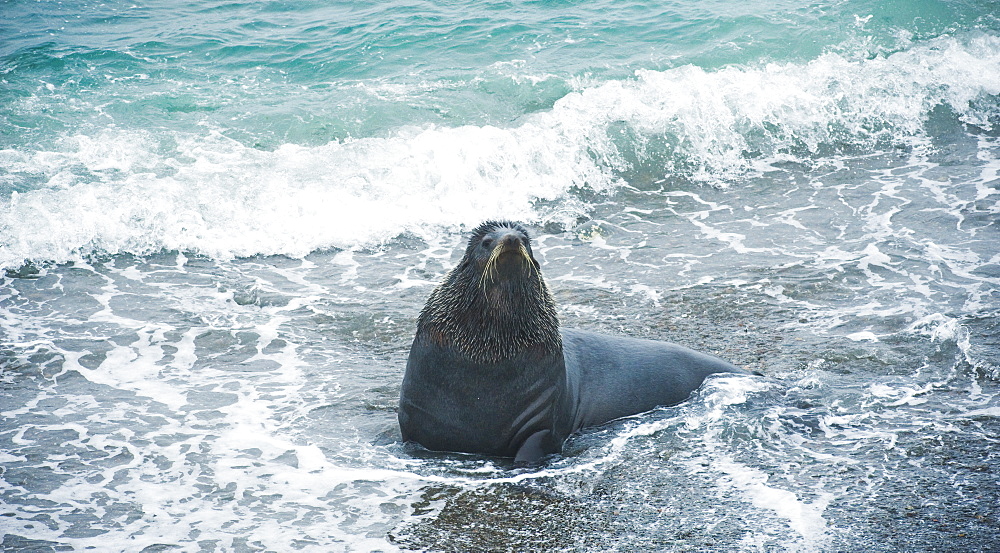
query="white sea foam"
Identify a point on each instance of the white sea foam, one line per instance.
(765, 491)
(804, 518)
(205, 449)
(128, 191)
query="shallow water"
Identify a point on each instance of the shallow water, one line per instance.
(220, 221)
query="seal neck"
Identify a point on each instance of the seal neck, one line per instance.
(492, 323)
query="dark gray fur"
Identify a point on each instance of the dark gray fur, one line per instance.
(490, 372)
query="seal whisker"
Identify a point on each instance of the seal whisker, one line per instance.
(493, 262)
(534, 269)
(482, 277)
(490, 269)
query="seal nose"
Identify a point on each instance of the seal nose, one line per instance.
(510, 241)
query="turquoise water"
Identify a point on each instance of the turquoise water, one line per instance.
(294, 106)
(213, 113)
(219, 221)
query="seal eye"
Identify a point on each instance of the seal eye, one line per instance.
(487, 243)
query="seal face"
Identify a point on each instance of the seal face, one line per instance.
(491, 372)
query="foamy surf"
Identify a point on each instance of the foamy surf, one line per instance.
(138, 192)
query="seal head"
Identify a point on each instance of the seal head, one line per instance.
(494, 305)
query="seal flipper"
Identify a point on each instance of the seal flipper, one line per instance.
(532, 449)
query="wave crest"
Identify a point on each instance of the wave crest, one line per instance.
(137, 192)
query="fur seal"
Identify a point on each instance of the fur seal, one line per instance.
(490, 372)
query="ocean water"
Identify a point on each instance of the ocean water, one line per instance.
(219, 221)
